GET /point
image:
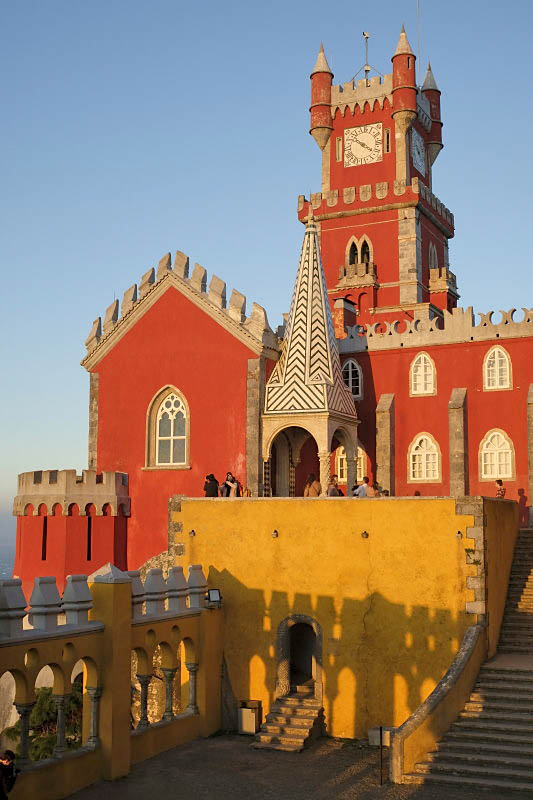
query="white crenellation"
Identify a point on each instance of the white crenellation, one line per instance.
(129, 299)
(155, 591)
(45, 604)
(177, 590)
(137, 593)
(65, 487)
(12, 607)
(77, 600)
(197, 586)
(323, 201)
(354, 95)
(216, 296)
(457, 326)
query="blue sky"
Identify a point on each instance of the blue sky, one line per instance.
(134, 128)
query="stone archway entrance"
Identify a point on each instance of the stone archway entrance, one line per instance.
(293, 455)
(299, 656)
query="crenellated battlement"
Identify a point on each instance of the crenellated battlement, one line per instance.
(454, 327)
(358, 93)
(323, 202)
(212, 297)
(65, 487)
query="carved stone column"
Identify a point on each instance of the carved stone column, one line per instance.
(169, 679)
(94, 694)
(24, 711)
(144, 680)
(267, 488)
(61, 746)
(351, 474)
(325, 469)
(192, 669)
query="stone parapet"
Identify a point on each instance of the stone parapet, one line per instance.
(211, 296)
(442, 280)
(65, 487)
(455, 326)
(356, 94)
(351, 275)
(364, 197)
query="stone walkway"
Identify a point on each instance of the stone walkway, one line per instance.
(227, 768)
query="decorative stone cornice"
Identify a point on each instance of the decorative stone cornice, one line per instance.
(253, 331)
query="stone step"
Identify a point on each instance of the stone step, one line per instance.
(308, 702)
(486, 736)
(293, 722)
(496, 746)
(295, 711)
(486, 704)
(277, 746)
(501, 695)
(465, 780)
(509, 774)
(500, 716)
(511, 675)
(482, 723)
(285, 730)
(515, 648)
(452, 757)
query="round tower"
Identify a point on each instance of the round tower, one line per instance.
(403, 99)
(320, 108)
(432, 92)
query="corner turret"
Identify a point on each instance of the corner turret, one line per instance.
(320, 108)
(404, 93)
(432, 92)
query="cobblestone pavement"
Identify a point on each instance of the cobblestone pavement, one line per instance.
(227, 768)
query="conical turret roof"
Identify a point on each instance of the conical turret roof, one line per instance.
(321, 64)
(308, 375)
(429, 80)
(403, 47)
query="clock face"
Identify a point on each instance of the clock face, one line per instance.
(363, 145)
(418, 152)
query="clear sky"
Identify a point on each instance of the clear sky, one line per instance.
(133, 128)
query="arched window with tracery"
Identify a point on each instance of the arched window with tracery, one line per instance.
(353, 377)
(168, 431)
(424, 460)
(361, 465)
(497, 373)
(341, 466)
(496, 456)
(423, 376)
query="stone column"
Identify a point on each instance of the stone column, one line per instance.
(192, 669)
(530, 450)
(409, 255)
(458, 438)
(94, 694)
(267, 488)
(325, 470)
(292, 477)
(60, 701)
(169, 680)
(385, 448)
(144, 680)
(255, 401)
(351, 474)
(24, 711)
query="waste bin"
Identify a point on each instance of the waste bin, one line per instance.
(250, 716)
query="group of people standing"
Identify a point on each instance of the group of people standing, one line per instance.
(231, 487)
(313, 488)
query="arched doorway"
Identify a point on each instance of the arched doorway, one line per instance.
(302, 641)
(299, 656)
(293, 455)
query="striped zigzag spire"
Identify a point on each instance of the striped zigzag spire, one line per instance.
(308, 376)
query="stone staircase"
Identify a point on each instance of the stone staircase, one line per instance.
(292, 722)
(490, 745)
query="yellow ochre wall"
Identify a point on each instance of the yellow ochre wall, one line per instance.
(391, 605)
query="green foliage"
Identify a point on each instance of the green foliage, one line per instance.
(43, 728)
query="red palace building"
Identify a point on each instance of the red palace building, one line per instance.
(377, 371)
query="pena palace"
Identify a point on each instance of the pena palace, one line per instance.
(375, 371)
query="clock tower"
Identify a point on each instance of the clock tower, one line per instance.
(384, 234)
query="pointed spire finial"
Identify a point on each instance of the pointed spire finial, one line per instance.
(403, 47)
(321, 64)
(429, 80)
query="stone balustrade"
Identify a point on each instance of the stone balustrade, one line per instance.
(107, 623)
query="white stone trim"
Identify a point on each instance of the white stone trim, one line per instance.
(151, 429)
(414, 441)
(488, 354)
(481, 449)
(412, 392)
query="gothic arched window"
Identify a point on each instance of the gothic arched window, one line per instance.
(496, 456)
(365, 252)
(497, 370)
(353, 378)
(353, 255)
(424, 460)
(423, 375)
(168, 431)
(433, 260)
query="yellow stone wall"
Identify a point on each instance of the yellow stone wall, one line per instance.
(391, 606)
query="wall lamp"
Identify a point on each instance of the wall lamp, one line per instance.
(214, 598)
(275, 534)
